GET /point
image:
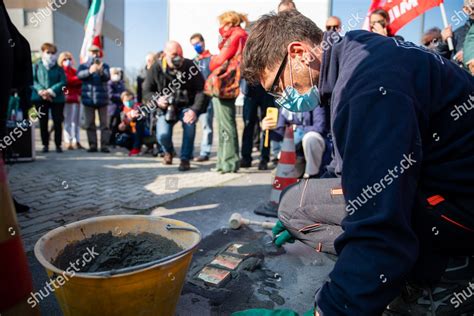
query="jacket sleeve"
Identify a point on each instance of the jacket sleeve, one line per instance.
(379, 179)
(197, 86)
(58, 86)
(38, 86)
(105, 74)
(83, 72)
(227, 52)
(319, 121)
(73, 80)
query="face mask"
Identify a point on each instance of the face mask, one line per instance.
(293, 101)
(128, 103)
(225, 33)
(198, 48)
(177, 61)
(49, 59)
(115, 78)
(67, 63)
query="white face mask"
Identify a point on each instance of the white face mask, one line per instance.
(49, 59)
(67, 63)
(115, 77)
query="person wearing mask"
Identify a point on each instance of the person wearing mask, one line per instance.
(431, 38)
(203, 59)
(231, 45)
(132, 125)
(72, 109)
(403, 157)
(378, 23)
(286, 5)
(95, 74)
(333, 23)
(116, 86)
(458, 36)
(175, 86)
(49, 82)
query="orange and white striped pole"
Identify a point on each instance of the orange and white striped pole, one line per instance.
(15, 277)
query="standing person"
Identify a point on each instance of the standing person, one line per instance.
(203, 59)
(333, 23)
(458, 36)
(150, 59)
(379, 20)
(72, 108)
(116, 86)
(255, 97)
(94, 75)
(232, 44)
(48, 83)
(175, 86)
(403, 149)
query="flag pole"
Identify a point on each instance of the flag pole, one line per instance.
(445, 23)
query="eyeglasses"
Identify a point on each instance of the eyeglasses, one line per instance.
(276, 82)
(332, 27)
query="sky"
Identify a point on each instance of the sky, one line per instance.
(146, 25)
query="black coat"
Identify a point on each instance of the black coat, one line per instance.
(94, 86)
(161, 82)
(458, 41)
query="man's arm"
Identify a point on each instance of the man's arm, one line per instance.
(83, 72)
(105, 73)
(150, 86)
(378, 138)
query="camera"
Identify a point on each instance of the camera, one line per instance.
(97, 61)
(171, 114)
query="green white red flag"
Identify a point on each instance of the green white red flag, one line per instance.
(93, 28)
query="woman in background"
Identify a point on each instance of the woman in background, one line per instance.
(232, 44)
(72, 108)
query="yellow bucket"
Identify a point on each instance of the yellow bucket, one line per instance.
(148, 289)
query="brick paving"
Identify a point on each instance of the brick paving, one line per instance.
(63, 188)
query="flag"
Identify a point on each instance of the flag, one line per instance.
(93, 28)
(401, 12)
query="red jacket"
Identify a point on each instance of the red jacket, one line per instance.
(229, 46)
(73, 85)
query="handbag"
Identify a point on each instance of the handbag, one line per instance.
(224, 81)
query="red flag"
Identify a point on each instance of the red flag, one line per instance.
(402, 11)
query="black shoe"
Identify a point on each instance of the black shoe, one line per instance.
(263, 165)
(20, 208)
(59, 150)
(92, 150)
(184, 165)
(269, 209)
(45, 149)
(105, 150)
(244, 163)
(201, 159)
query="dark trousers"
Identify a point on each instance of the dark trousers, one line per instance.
(89, 113)
(57, 110)
(250, 115)
(139, 134)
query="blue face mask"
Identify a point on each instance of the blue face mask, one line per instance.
(293, 101)
(128, 104)
(198, 47)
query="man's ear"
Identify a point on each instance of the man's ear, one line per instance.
(296, 50)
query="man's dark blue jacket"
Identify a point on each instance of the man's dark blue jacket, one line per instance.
(402, 120)
(94, 86)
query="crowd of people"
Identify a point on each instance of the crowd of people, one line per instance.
(169, 89)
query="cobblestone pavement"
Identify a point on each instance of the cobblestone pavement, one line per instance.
(63, 188)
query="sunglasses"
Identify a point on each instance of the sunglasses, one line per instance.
(276, 82)
(332, 27)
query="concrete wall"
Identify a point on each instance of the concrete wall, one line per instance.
(64, 26)
(189, 16)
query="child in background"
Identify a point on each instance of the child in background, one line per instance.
(132, 124)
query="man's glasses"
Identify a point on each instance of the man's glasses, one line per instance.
(276, 82)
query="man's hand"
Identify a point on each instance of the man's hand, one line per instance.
(446, 33)
(189, 117)
(268, 123)
(378, 28)
(281, 235)
(162, 102)
(459, 56)
(93, 68)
